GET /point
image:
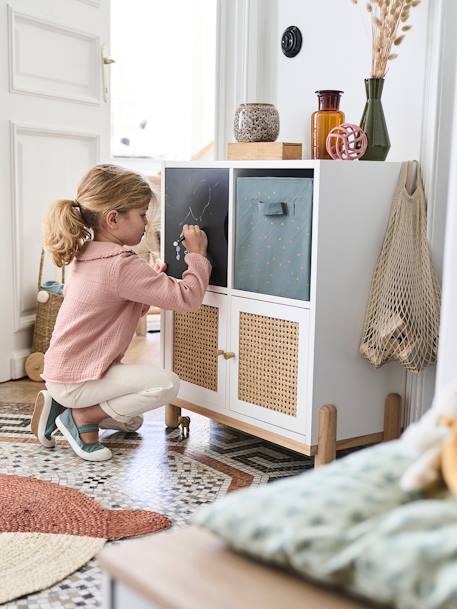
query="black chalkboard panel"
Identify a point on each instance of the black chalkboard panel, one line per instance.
(197, 196)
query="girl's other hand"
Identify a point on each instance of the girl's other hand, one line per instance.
(159, 266)
(195, 239)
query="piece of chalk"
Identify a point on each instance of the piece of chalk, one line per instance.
(181, 239)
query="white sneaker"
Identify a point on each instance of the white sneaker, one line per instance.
(132, 424)
(89, 452)
(43, 423)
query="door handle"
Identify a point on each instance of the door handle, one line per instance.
(228, 355)
(220, 352)
(107, 60)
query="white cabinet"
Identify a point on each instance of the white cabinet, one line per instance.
(278, 334)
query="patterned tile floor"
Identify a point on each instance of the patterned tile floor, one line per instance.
(153, 469)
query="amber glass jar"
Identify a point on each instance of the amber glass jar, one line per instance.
(324, 120)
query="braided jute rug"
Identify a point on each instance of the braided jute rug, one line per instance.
(48, 530)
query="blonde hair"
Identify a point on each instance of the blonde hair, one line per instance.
(70, 223)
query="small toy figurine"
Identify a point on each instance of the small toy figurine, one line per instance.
(346, 142)
(184, 426)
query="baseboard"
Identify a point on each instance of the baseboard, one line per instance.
(17, 363)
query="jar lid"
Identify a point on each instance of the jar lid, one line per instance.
(328, 92)
(256, 104)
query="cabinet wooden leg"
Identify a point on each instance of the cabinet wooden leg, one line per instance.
(172, 414)
(392, 417)
(326, 446)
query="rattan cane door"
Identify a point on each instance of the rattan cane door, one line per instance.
(268, 372)
(198, 341)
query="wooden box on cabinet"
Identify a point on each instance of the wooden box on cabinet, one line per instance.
(263, 151)
(260, 360)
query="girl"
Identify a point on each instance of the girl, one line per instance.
(108, 289)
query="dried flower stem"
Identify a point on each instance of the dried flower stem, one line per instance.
(386, 18)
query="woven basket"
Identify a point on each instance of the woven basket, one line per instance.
(46, 315)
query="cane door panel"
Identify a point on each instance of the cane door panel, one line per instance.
(268, 370)
(198, 343)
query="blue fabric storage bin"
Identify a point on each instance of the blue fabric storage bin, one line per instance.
(273, 236)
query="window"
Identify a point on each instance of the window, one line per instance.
(163, 81)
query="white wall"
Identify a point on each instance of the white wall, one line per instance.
(447, 356)
(336, 54)
(203, 27)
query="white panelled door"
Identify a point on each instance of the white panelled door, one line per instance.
(54, 125)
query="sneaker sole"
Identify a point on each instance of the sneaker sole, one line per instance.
(117, 426)
(38, 422)
(99, 455)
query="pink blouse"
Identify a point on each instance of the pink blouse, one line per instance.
(108, 289)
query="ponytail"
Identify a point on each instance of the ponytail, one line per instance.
(64, 231)
(69, 224)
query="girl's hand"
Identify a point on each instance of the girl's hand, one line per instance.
(195, 239)
(159, 266)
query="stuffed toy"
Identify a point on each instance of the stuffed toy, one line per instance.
(433, 440)
(449, 455)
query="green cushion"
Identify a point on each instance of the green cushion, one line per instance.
(349, 523)
(409, 559)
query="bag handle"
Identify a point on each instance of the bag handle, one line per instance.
(410, 178)
(40, 272)
(413, 181)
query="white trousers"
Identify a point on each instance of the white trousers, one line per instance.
(124, 391)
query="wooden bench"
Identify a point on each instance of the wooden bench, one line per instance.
(190, 568)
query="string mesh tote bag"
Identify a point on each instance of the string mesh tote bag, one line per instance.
(49, 300)
(402, 317)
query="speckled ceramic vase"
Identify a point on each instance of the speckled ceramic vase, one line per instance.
(255, 122)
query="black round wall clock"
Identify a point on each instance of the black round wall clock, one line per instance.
(291, 41)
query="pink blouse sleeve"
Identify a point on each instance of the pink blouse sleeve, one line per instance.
(139, 282)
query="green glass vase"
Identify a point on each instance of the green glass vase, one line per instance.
(374, 123)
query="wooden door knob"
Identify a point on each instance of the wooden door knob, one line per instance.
(228, 355)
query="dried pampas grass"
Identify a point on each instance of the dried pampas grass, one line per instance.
(389, 24)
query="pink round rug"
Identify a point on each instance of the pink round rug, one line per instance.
(47, 531)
